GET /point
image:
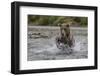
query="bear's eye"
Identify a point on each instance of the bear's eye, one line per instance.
(64, 28)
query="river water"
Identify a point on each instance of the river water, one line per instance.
(42, 46)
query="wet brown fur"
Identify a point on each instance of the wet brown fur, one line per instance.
(66, 36)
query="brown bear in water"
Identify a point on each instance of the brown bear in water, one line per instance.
(65, 37)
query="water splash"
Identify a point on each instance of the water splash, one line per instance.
(46, 49)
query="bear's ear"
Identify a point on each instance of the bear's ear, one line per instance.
(67, 25)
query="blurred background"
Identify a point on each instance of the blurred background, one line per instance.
(54, 20)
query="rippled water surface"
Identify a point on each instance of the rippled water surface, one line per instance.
(42, 46)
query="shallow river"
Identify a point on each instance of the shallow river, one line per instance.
(42, 46)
